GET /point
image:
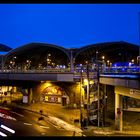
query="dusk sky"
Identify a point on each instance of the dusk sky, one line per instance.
(68, 25)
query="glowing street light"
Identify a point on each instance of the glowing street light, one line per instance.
(85, 81)
(49, 54)
(48, 59)
(132, 60)
(103, 57)
(108, 62)
(28, 63)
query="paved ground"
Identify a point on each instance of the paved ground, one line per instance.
(65, 117)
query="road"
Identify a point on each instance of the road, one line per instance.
(26, 123)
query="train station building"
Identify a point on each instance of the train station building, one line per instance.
(48, 58)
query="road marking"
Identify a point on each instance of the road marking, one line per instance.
(27, 123)
(44, 126)
(17, 114)
(2, 134)
(7, 128)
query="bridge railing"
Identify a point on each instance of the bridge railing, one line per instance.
(53, 70)
(134, 69)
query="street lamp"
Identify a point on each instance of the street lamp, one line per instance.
(81, 103)
(28, 63)
(48, 59)
(103, 57)
(98, 84)
(12, 62)
(88, 95)
(132, 60)
(108, 62)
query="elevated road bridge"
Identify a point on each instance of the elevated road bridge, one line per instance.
(126, 83)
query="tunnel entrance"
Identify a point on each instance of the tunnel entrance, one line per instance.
(55, 94)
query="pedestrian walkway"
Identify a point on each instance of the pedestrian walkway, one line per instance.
(65, 117)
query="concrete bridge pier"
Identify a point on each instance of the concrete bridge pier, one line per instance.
(118, 112)
(28, 92)
(30, 95)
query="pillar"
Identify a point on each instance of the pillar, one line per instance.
(30, 95)
(36, 93)
(71, 62)
(118, 112)
(105, 104)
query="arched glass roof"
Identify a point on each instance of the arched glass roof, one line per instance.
(112, 51)
(39, 54)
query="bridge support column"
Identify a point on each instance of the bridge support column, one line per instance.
(105, 104)
(118, 112)
(30, 95)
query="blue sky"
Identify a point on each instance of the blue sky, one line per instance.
(68, 25)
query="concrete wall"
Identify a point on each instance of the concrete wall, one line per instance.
(125, 82)
(72, 89)
(32, 76)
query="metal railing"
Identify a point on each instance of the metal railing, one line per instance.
(52, 70)
(133, 69)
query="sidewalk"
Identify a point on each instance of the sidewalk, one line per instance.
(65, 118)
(57, 110)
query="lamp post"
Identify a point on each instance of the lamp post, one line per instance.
(88, 95)
(48, 59)
(98, 91)
(98, 86)
(28, 64)
(81, 114)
